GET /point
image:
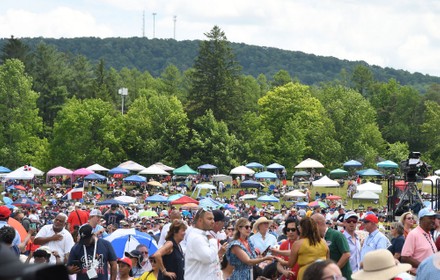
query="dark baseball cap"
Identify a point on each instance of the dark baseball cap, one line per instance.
(218, 216)
(85, 232)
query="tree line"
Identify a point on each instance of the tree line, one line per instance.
(61, 108)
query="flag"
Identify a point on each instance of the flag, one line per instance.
(75, 193)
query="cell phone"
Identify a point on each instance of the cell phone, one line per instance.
(265, 251)
(76, 263)
(33, 226)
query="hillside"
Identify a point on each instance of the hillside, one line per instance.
(153, 55)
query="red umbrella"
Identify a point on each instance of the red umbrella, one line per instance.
(20, 187)
(333, 197)
(184, 200)
(19, 227)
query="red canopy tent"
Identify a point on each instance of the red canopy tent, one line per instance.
(184, 200)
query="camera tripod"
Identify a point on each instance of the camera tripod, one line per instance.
(411, 195)
(400, 202)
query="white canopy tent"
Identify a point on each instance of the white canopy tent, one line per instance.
(132, 166)
(221, 177)
(242, 170)
(163, 166)
(200, 187)
(366, 195)
(295, 193)
(154, 170)
(369, 186)
(19, 174)
(248, 196)
(33, 169)
(431, 180)
(97, 167)
(325, 182)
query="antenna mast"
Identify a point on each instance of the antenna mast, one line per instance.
(154, 25)
(143, 24)
(174, 19)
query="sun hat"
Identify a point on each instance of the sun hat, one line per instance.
(380, 265)
(260, 220)
(95, 212)
(125, 260)
(426, 212)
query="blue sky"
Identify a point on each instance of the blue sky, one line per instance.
(403, 34)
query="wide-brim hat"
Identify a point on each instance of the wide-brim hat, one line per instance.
(380, 265)
(261, 220)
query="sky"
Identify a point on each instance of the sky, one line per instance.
(402, 34)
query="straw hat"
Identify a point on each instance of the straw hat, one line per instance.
(380, 265)
(260, 220)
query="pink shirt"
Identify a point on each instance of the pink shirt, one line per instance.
(419, 245)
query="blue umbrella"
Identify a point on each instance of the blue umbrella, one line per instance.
(209, 203)
(352, 164)
(25, 201)
(268, 198)
(7, 200)
(126, 240)
(110, 202)
(207, 166)
(174, 197)
(250, 184)
(4, 169)
(369, 172)
(94, 176)
(266, 175)
(254, 165)
(156, 198)
(302, 204)
(118, 170)
(275, 166)
(135, 178)
(387, 164)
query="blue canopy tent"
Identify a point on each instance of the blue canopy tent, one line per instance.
(156, 198)
(268, 198)
(95, 176)
(209, 203)
(255, 165)
(352, 164)
(250, 184)
(110, 202)
(266, 175)
(207, 166)
(4, 169)
(135, 178)
(369, 172)
(118, 170)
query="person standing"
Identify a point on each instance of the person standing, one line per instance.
(201, 258)
(337, 244)
(4, 217)
(114, 215)
(262, 239)
(419, 244)
(91, 257)
(376, 239)
(57, 238)
(407, 220)
(174, 215)
(291, 230)
(94, 220)
(350, 222)
(77, 217)
(396, 231)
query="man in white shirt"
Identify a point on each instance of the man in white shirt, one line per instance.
(201, 257)
(56, 237)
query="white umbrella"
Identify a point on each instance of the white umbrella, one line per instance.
(154, 170)
(242, 170)
(221, 177)
(126, 199)
(132, 166)
(310, 163)
(163, 166)
(369, 186)
(325, 182)
(97, 167)
(295, 193)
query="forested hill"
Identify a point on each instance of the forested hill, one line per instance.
(154, 55)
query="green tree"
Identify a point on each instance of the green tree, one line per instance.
(293, 105)
(397, 152)
(213, 82)
(87, 131)
(281, 78)
(15, 48)
(431, 133)
(212, 143)
(362, 79)
(20, 136)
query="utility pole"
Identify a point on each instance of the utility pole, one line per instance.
(143, 24)
(123, 92)
(154, 25)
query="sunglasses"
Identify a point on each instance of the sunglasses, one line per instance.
(230, 229)
(144, 253)
(246, 227)
(409, 218)
(290, 229)
(152, 260)
(351, 221)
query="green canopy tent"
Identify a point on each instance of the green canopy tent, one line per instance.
(338, 173)
(184, 170)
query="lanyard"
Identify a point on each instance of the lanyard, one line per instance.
(94, 254)
(429, 241)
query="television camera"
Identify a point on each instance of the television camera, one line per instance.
(401, 200)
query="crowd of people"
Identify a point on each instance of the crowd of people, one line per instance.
(245, 242)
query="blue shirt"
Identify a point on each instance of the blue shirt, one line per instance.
(262, 244)
(375, 240)
(355, 251)
(17, 239)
